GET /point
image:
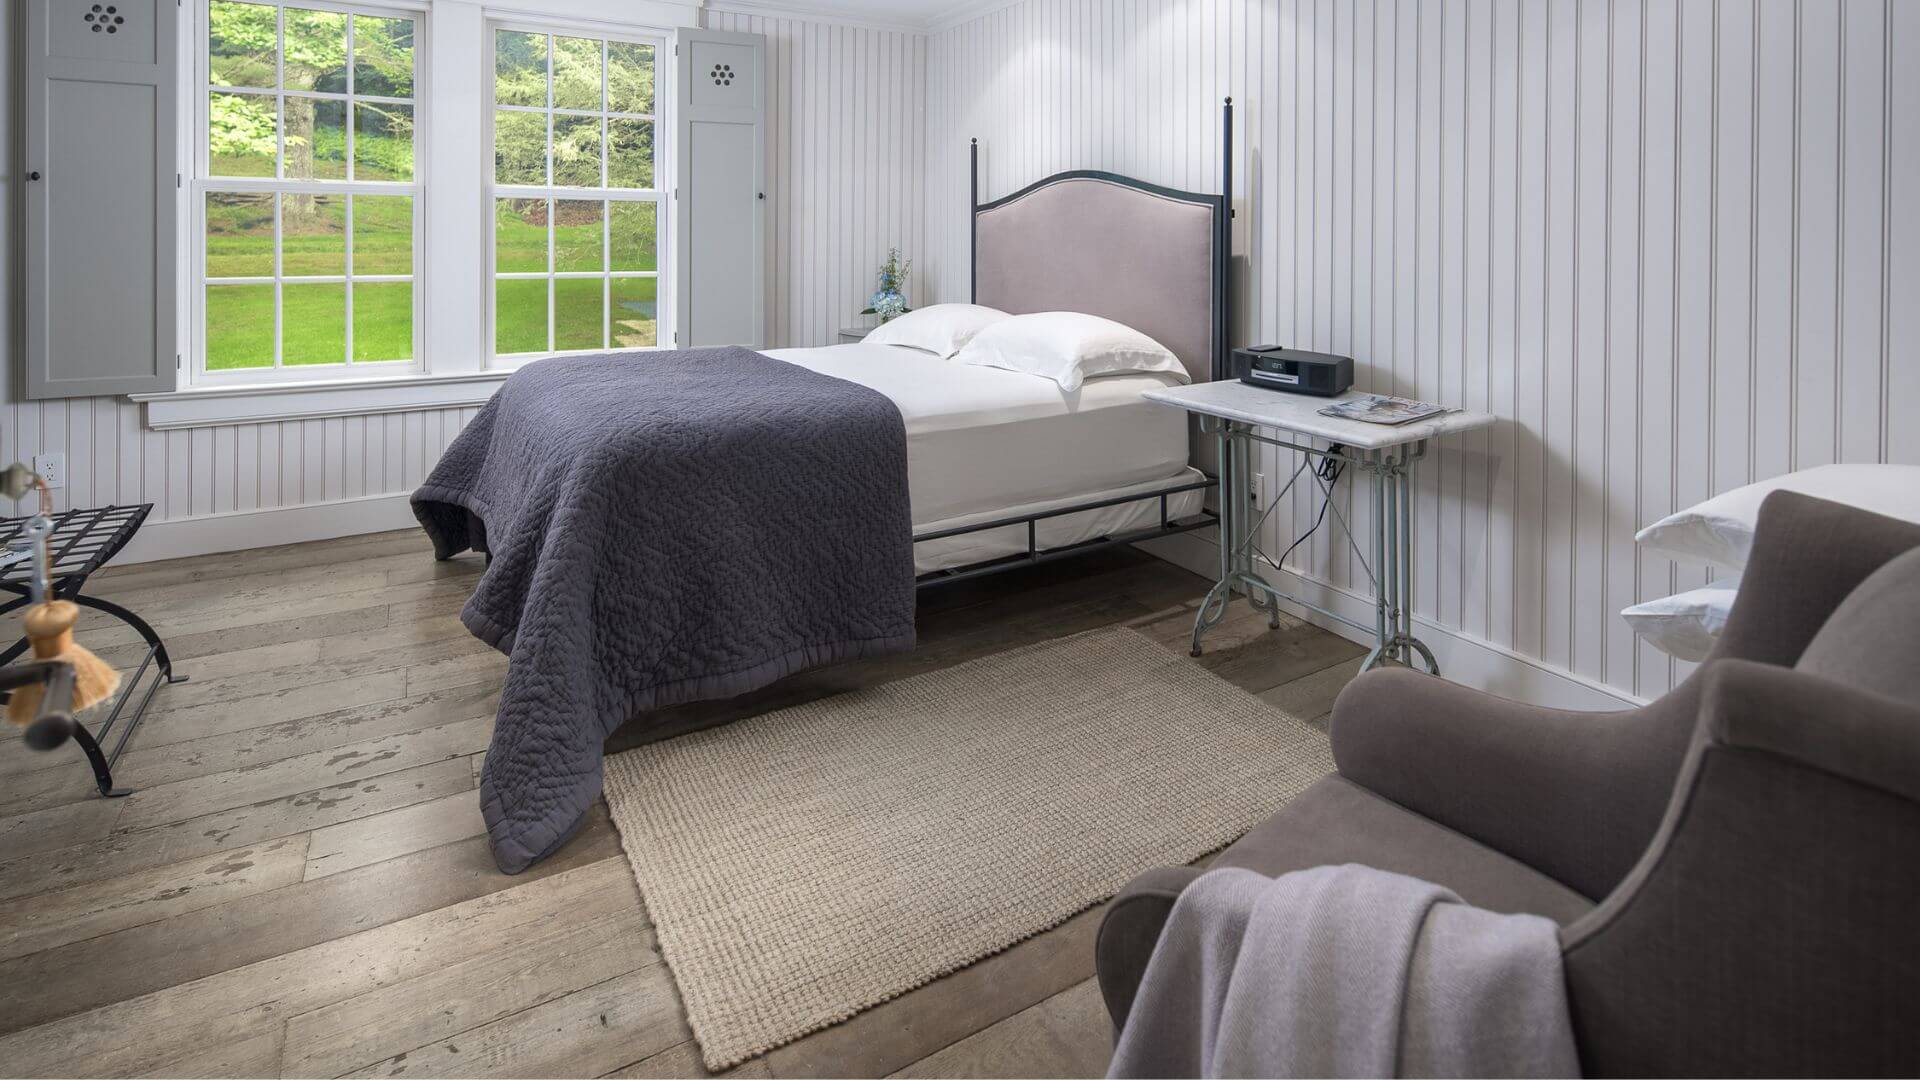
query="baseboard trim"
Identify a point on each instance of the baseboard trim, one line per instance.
(1463, 658)
(240, 530)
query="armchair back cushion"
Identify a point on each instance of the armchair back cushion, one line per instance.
(1808, 556)
(1871, 639)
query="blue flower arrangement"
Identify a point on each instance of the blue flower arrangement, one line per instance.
(890, 300)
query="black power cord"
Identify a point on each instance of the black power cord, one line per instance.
(1329, 469)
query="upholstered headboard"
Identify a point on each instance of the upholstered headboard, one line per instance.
(1137, 253)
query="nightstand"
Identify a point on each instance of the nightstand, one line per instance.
(852, 334)
(1238, 416)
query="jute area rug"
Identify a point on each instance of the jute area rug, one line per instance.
(806, 864)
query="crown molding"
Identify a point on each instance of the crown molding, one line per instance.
(799, 9)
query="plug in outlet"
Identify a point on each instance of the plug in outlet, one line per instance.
(52, 468)
(1259, 492)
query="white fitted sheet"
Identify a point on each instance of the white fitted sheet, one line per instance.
(983, 442)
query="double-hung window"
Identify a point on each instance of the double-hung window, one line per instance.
(306, 200)
(576, 208)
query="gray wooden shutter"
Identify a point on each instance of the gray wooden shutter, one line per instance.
(100, 124)
(719, 208)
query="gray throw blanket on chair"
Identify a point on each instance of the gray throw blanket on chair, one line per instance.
(663, 528)
(1346, 971)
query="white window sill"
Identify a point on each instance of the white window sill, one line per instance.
(214, 406)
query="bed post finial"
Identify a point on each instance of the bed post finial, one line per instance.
(973, 221)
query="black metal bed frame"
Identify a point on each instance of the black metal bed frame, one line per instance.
(1222, 207)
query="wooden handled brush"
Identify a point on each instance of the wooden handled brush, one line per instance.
(49, 623)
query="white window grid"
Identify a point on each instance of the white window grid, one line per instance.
(205, 184)
(554, 194)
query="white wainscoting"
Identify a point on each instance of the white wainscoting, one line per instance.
(1675, 246)
(845, 153)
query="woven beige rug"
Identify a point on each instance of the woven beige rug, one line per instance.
(806, 864)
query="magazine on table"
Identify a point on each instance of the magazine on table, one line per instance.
(1380, 409)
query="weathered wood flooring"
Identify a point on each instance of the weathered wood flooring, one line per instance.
(299, 885)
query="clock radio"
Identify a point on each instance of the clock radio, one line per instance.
(1294, 370)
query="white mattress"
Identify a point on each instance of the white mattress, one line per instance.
(981, 439)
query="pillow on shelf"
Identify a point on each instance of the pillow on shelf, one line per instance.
(943, 329)
(1720, 530)
(1068, 347)
(1685, 624)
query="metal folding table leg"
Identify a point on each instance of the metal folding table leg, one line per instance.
(1213, 607)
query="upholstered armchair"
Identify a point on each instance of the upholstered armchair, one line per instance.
(1735, 867)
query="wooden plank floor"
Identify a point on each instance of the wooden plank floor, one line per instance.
(299, 885)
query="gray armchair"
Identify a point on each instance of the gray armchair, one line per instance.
(1735, 867)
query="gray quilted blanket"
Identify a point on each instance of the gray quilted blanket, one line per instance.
(663, 528)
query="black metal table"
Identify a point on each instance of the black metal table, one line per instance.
(81, 543)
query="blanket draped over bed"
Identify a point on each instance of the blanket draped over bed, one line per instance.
(663, 528)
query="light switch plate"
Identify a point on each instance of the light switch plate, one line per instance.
(52, 468)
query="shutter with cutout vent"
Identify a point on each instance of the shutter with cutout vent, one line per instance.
(720, 207)
(98, 161)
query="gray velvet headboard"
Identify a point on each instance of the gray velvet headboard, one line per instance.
(1096, 242)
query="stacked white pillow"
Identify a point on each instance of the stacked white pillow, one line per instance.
(1685, 624)
(1069, 348)
(1719, 533)
(943, 329)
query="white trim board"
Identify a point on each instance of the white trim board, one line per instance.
(270, 403)
(220, 533)
(1463, 658)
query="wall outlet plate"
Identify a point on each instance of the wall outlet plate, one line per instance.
(52, 468)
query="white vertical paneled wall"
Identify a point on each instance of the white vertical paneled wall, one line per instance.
(112, 458)
(1673, 244)
(845, 149)
(845, 174)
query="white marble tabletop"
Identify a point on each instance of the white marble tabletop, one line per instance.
(1300, 413)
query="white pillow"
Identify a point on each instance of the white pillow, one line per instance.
(1069, 348)
(943, 329)
(1686, 624)
(1720, 530)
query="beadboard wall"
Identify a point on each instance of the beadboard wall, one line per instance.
(846, 158)
(1674, 246)
(844, 174)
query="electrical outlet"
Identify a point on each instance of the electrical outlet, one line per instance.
(52, 468)
(1259, 493)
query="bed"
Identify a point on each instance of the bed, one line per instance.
(986, 445)
(678, 526)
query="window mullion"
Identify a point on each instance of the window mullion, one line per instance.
(346, 285)
(279, 286)
(353, 164)
(606, 236)
(553, 288)
(279, 99)
(553, 205)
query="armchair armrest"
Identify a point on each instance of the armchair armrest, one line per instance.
(1575, 795)
(1130, 929)
(1842, 730)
